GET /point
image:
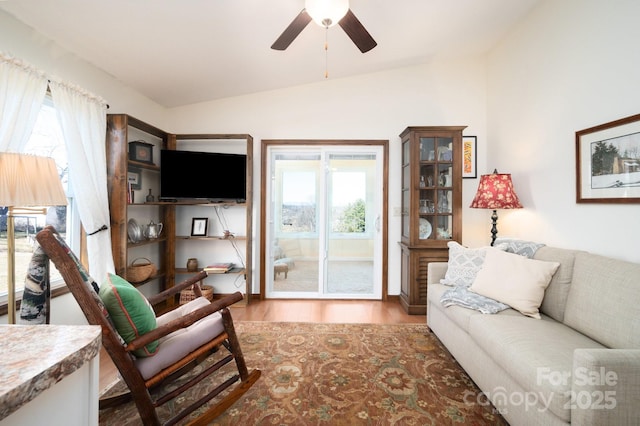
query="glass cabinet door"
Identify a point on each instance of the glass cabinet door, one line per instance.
(435, 188)
(407, 187)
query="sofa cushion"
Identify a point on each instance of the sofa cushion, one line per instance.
(176, 345)
(456, 313)
(460, 315)
(536, 354)
(514, 280)
(604, 300)
(555, 296)
(463, 265)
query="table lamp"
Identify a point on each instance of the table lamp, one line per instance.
(27, 184)
(495, 191)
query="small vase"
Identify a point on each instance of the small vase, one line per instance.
(192, 264)
(150, 197)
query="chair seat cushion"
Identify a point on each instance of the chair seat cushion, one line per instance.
(176, 345)
(130, 311)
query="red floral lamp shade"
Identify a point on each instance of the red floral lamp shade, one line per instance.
(495, 191)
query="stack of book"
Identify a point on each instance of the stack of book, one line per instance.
(219, 268)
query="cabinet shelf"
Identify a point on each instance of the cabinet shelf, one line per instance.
(142, 165)
(157, 276)
(231, 271)
(211, 237)
(186, 203)
(197, 203)
(146, 242)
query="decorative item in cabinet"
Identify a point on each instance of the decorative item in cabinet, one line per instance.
(187, 295)
(140, 270)
(192, 264)
(431, 205)
(152, 230)
(141, 151)
(134, 177)
(199, 226)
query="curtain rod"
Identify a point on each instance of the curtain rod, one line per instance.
(78, 89)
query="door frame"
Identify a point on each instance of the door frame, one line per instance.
(266, 143)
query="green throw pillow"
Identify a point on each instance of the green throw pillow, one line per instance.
(130, 311)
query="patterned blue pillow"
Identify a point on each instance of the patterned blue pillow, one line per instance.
(464, 263)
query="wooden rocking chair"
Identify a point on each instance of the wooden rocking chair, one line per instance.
(210, 321)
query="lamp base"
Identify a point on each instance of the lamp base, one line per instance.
(494, 227)
(11, 268)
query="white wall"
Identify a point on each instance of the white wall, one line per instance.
(374, 106)
(572, 65)
(27, 44)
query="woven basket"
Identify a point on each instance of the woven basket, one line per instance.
(188, 294)
(140, 269)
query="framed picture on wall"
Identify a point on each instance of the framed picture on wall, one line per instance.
(469, 157)
(608, 162)
(199, 226)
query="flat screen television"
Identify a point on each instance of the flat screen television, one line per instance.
(214, 177)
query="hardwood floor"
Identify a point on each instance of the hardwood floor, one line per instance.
(335, 311)
(329, 311)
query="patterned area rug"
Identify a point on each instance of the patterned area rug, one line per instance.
(346, 374)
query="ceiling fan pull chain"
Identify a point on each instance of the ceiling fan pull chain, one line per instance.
(326, 52)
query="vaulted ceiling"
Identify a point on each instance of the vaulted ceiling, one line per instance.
(179, 52)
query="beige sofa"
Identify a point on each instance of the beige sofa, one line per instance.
(578, 364)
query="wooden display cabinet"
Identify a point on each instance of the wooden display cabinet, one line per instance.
(431, 206)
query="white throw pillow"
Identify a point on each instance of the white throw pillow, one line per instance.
(514, 280)
(464, 263)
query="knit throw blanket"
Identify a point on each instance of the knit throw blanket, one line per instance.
(466, 298)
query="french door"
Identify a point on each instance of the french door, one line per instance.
(324, 216)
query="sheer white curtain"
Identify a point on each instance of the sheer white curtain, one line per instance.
(22, 91)
(83, 118)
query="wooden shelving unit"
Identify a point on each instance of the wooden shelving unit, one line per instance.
(122, 129)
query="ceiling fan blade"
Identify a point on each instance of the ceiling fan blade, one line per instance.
(357, 32)
(291, 32)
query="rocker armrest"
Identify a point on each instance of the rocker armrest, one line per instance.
(605, 387)
(170, 292)
(184, 321)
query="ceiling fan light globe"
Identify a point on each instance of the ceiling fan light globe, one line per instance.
(326, 13)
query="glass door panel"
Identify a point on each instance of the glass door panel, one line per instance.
(352, 224)
(295, 207)
(324, 222)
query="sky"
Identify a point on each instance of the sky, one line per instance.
(299, 187)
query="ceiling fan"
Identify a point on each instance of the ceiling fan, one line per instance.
(327, 13)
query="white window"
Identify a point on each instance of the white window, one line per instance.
(46, 140)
